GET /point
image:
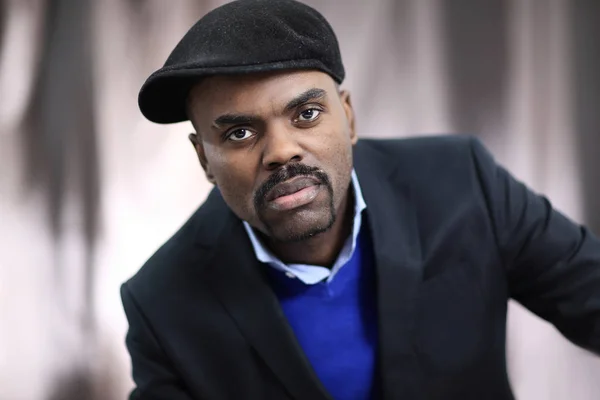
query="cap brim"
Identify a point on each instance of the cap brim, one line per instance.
(163, 96)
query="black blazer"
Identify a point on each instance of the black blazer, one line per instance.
(455, 237)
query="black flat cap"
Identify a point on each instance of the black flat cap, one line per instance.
(244, 36)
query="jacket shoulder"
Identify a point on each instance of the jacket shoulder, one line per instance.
(424, 158)
(419, 147)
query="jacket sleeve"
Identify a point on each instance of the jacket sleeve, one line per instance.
(552, 264)
(154, 376)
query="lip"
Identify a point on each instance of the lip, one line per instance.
(291, 186)
(294, 193)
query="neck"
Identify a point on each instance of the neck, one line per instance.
(324, 248)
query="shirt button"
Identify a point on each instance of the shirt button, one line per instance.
(290, 275)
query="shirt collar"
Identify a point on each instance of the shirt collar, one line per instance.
(311, 274)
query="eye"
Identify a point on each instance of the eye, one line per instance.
(308, 115)
(240, 134)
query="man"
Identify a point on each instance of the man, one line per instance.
(323, 267)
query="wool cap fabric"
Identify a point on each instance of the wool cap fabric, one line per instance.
(244, 36)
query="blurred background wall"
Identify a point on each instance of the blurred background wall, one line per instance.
(89, 189)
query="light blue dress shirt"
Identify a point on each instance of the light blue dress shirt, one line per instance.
(311, 274)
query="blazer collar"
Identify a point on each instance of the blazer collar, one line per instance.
(392, 219)
(239, 283)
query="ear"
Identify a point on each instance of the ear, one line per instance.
(349, 111)
(199, 147)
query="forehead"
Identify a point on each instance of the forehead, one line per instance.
(253, 93)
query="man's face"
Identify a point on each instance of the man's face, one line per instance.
(278, 146)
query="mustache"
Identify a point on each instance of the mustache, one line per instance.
(283, 174)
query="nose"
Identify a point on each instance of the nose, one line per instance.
(280, 147)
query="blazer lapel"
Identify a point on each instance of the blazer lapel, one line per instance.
(392, 221)
(239, 284)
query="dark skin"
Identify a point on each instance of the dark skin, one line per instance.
(275, 128)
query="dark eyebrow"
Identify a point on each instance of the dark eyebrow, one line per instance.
(243, 119)
(235, 119)
(305, 97)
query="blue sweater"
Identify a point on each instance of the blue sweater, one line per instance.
(335, 323)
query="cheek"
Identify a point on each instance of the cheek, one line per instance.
(343, 172)
(334, 151)
(235, 180)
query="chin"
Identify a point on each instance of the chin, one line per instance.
(299, 227)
